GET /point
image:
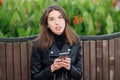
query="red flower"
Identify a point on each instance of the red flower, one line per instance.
(76, 20)
(75, 17)
(0, 2)
(115, 2)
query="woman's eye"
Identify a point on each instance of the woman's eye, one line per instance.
(51, 19)
(60, 17)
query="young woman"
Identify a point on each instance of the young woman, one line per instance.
(56, 53)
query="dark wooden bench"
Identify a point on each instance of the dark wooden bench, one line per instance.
(101, 57)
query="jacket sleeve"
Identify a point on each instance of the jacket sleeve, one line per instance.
(37, 73)
(76, 69)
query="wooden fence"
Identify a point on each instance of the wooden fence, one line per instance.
(101, 57)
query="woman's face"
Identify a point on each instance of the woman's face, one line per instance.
(56, 22)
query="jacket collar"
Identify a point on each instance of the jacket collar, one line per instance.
(54, 51)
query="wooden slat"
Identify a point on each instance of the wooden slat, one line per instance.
(92, 60)
(117, 59)
(2, 62)
(111, 60)
(105, 60)
(29, 57)
(82, 55)
(16, 55)
(86, 65)
(99, 59)
(9, 59)
(24, 64)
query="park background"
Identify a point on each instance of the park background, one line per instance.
(20, 18)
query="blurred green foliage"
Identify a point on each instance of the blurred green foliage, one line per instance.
(19, 18)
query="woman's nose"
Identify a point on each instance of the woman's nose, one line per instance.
(56, 21)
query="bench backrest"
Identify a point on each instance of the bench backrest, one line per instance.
(101, 57)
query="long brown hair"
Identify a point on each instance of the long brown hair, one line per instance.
(46, 38)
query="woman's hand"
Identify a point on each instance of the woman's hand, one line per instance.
(56, 65)
(66, 63)
(59, 63)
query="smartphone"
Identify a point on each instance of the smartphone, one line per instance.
(63, 55)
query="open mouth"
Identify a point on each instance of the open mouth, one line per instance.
(58, 28)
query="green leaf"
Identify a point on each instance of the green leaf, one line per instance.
(28, 31)
(21, 32)
(110, 26)
(1, 34)
(88, 21)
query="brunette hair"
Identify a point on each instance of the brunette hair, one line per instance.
(46, 38)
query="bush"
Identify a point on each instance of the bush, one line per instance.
(19, 18)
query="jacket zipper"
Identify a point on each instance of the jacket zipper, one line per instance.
(66, 75)
(62, 76)
(54, 76)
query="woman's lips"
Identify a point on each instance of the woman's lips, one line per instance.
(58, 28)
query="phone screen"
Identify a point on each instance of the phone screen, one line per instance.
(63, 55)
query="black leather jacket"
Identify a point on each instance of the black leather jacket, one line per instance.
(42, 59)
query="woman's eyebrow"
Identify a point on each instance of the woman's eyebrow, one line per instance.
(50, 17)
(53, 17)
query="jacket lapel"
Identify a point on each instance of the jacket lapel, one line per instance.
(66, 48)
(54, 51)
